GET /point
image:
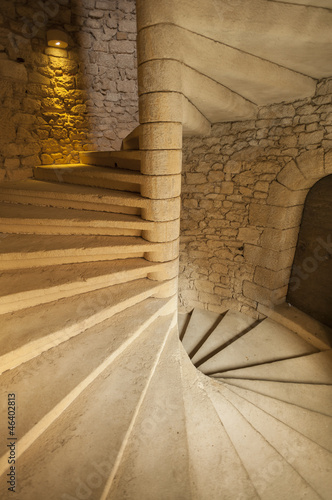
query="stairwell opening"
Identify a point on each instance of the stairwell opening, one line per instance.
(310, 285)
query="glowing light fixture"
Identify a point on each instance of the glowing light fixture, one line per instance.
(57, 38)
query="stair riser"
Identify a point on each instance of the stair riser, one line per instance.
(151, 231)
(75, 178)
(106, 160)
(63, 230)
(78, 205)
(24, 261)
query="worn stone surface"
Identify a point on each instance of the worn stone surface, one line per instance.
(55, 103)
(243, 189)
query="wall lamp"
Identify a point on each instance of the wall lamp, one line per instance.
(57, 39)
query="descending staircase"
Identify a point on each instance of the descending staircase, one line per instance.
(109, 405)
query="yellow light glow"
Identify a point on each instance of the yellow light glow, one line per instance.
(57, 38)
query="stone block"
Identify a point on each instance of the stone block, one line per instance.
(279, 239)
(12, 163)
(271, 279)
(311, 163)
(248, 235)
(270, 298)
(195, 178)
(155, 136)
(280, 195)
(292, 177)
(310, 138)
(161, 106)
(215, 176)
(328, 163)
(161, 186)
(209, 298)
(223, 292)
(268, 258)
(13, 70)
(274, 216)
(227, 187)
(204, 286)
(127, 26)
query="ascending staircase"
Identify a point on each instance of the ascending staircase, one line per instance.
(109, 404)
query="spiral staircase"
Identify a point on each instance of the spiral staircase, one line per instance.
(110, 403)
(116, 396)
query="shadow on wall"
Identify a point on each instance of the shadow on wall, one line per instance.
(55, 102)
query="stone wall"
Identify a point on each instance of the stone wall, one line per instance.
(242, 198)
(55, 103)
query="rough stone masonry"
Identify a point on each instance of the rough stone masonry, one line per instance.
(55, 103)
(228, 201)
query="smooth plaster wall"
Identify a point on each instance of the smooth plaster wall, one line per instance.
(55, 103)
(234, 212)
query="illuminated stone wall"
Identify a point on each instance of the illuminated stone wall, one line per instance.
(55, 103)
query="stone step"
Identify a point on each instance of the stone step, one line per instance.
(69, 367)
(200, 326)
(30, 219)
(183, 320)
(317, 398)
(311, 369)
(36, 286)
(292, 447)
(87, 175)
(265, 343)
(154, 459)
(249, 35)
(247, 75)
(214, 464)
(83, 444)
(230, 327)
(27, 333)
(271, 474)
(128, 160)
(24, 250)
(131, 141)
(311, 424)
(54, 194)
(301, 323)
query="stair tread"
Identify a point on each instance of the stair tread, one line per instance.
(231, 325)
(26, 243)
(309, 328)
(266, 342)
(21, 214)
(272, 476)
(119, 159)
(311, 424)
(92, 171)
(295, 448)
(183, 319)
(200, 324)
(67, 365)
(97, 428)
(311, 369)
(34, 286)
(214, 462)
(31, 331)
(155, 460)
(316, 398)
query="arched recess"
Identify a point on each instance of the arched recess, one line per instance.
(280, 219)
(310, 286)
